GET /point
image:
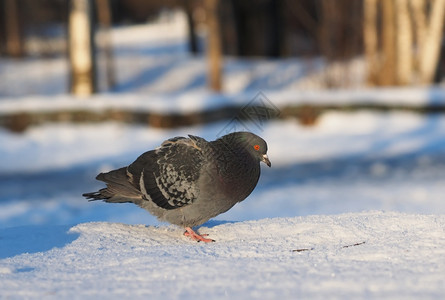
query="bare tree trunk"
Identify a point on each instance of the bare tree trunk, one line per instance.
(276, 29)
(430, 48)
(327, 28)
(411, 39)
(328, 36)
(371, 40)
(14, 43)
(193, 41)
(404, 43)
(104, 16)
(213, 45)
(387, 74)
(81, 48)
(419, 18)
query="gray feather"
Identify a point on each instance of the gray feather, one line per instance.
(119, 189)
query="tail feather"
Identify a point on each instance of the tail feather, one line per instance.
(118, 190)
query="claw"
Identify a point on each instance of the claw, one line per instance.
(196, 237)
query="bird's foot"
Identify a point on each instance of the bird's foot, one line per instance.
(196, 237)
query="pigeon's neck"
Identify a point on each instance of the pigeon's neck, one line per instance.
(237, 168)
(234, 148)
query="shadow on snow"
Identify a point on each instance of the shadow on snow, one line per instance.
(32, 239)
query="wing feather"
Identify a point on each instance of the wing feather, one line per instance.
(168, 176)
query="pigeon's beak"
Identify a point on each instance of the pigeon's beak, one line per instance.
(266, 160)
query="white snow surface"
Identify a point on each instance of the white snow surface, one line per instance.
(202, 101)
(353, 207)
(367, 255)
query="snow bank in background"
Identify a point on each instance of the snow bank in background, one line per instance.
(202, 101)
(366, 255)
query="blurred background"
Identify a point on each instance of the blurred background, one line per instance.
(349, 95)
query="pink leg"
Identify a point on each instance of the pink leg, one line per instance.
(194, 236)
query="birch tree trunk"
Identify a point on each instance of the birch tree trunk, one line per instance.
(411, 32)
(387, 74)
(213, 45)
(404, 44)
(430, 47)
(81, 48)
(370, 37)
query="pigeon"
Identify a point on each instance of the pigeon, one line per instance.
(187, 181)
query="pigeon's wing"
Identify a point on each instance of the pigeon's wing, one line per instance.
(168, 176)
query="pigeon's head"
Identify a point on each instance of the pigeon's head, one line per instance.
(255, 145)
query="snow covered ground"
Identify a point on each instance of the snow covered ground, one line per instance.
(352, 207)
(354, 256)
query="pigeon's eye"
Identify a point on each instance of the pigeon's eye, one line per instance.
(256, 147)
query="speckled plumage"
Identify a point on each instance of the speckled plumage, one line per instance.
(187, 181)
